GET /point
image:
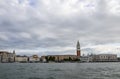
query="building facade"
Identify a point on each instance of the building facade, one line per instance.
(34, 58)
(21, 59)
(105, 57)
(84, 58)
(7, 56)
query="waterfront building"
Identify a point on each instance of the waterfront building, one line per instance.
(21, 59)
(6, 56)
(91, 58)
(105, 57)
(34, 58)
(84, 58)
(88, 58)
(59, 58)
(43, 59)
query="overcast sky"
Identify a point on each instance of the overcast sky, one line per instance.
(54, 26)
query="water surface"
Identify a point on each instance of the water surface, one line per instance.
(60, 70)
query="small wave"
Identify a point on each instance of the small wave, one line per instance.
(41, 78)
(55, 70)
(50, 78)
(21, 69)
(35, 78)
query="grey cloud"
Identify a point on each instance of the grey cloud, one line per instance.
(43, 26)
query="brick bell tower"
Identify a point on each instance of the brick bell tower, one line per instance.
(78, 51)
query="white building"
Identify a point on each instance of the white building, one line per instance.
(34, 58)
(105, 57)
(88, 58)
(7, 56)
(21, 59)
(84, 58)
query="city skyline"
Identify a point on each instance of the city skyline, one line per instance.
(46, 27)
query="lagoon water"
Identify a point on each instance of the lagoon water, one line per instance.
(60, 70)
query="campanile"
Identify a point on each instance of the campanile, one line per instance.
(78, 51)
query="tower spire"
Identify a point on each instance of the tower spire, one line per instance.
(78, 45)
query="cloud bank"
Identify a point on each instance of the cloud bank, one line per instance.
(54, 26)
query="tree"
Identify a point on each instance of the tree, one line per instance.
(70, 59)
(51, 58)
(46, 57)
(65, 59)
(77, 59)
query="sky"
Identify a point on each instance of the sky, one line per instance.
(47, 27)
